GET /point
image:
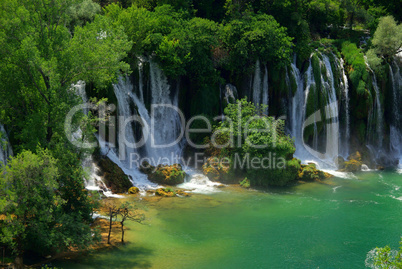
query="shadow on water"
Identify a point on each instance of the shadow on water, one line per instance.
(127, 256)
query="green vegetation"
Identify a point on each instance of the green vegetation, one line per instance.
(387, 258)
(34, 215)
(46, 46)
(249, 135)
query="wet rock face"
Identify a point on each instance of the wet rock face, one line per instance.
(164, 174)
(113, 176)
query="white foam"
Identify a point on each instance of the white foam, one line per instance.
(365, 168)
(198, 183)
(346, 175)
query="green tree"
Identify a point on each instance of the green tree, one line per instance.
(32, 207)
(41, 58)
(255, 37)
(385, 258)
(387, 40)
(248, 134)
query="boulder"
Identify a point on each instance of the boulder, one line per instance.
(217, 171)
(165, 192)
(311, 173)
(113, 176)
(354, 163)
(133, 190)
(164, 174)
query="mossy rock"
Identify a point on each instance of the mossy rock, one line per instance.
(113, 176)
(311, 173)
(164, 174)
(165, 192)
(133, 190)
(352, 166)
(354, 163)
(215, 171)
(182, 193)
(168, 174)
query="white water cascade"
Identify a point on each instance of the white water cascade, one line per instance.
(5, 147)
(93, 181)
(344, 84)
(160, 128)
(376, 118)
(396, 125)
(299, 121)
(260, 90)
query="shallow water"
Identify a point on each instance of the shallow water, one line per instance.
(311, 225)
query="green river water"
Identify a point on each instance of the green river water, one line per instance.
(311, 225)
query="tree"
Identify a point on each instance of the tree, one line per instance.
(128, 212)
(41, 58)
(385, 258)
(31, 207)
(113, 211)
(255, 36)
(248, 134)
(387, 40)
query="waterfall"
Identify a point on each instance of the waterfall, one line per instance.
(344, 84)
(260, 90)
(159, 129)
(163, 126)
(5, 147)
(376, 114)
(395, 126)
(229, 94)
(92, 179)
(299, 119)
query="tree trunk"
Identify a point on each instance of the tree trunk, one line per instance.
(19, 262)
(122, 232)
(110, 226)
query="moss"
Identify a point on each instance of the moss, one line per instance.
(215, 171)
(354, 163)
(113, 176)
(167, 174)
(245, 183)
(311, 173)
(133, 190)
(165, 192)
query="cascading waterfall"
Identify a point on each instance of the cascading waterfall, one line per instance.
(160, 127)
(376, 113)
(127, 150)
(5, 147)
(163, 126)
(93, 181)
(395, 127)
(299, 121)
(332, 113)
(260, 90)
(344, 84)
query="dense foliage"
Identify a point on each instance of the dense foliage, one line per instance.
(46, 46)
(246, 135)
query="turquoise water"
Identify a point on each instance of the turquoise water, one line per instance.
(311, 225)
